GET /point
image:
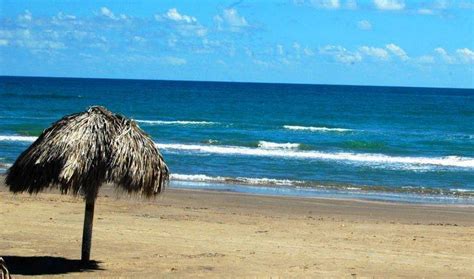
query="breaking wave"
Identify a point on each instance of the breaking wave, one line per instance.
(18, 138)
(234, 180)
(305, 186)
(5, 165)
(274, 145)
(316, 129)
(369, 158)
(174, 122)
(406, 162)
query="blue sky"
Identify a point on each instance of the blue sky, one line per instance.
(378, 42)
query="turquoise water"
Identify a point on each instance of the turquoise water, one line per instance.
(387, 143)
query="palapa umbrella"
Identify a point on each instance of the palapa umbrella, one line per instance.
(82, 151)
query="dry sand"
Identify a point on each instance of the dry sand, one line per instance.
(197, 233)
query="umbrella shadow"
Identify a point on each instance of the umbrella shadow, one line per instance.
(44, 265)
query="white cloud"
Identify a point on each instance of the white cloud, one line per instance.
(41, 44)
(389, 4)
(211, 42)
(104, 11)
(107, 13)
(200, 31)
(467, 4)
(364, 25)
(466, 55)
(440, 51)
(25, 33)
(462, 55)
(296, 46)
(231, 20)
(341, 54)
(426, 12)
(186, 25)
(249, 52)
(441, 4)
(378, 53)
(234, 19)
(348, 58)
(173, 14)
(261, 63)
(351, 4)
(434, 7)
(46, 41)
(27, 16)
(280, 49)
(172, 60)
(326, 4)
(308, 51)
(138, 58)
(63, 16)
(398, 51)
(444, 55)
(65, 19)
(425, 59)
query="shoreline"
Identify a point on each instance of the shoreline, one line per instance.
(423, 196)
(189, 233)
(331, 192)
(336, 199)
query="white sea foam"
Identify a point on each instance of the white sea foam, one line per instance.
(18, 138)
(196, 177)
(242, 180)
(5, 165)
(27, 117)
(353, 188)
(275, 145)
(174, 122)
(369, 158)
(462, 190)
(316, 129)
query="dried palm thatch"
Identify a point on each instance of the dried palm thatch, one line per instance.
(82, 151)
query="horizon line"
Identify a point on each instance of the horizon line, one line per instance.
(243, 82)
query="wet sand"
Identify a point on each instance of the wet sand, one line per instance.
(187, 233)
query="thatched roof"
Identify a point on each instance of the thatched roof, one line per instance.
(82, 151)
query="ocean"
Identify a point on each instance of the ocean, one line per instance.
(379, 143)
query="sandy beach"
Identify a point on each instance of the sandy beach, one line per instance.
(196, 233)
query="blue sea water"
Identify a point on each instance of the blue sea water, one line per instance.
(384, 143)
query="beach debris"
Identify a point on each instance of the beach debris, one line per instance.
(81, 151)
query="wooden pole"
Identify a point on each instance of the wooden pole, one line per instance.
(87, 232)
